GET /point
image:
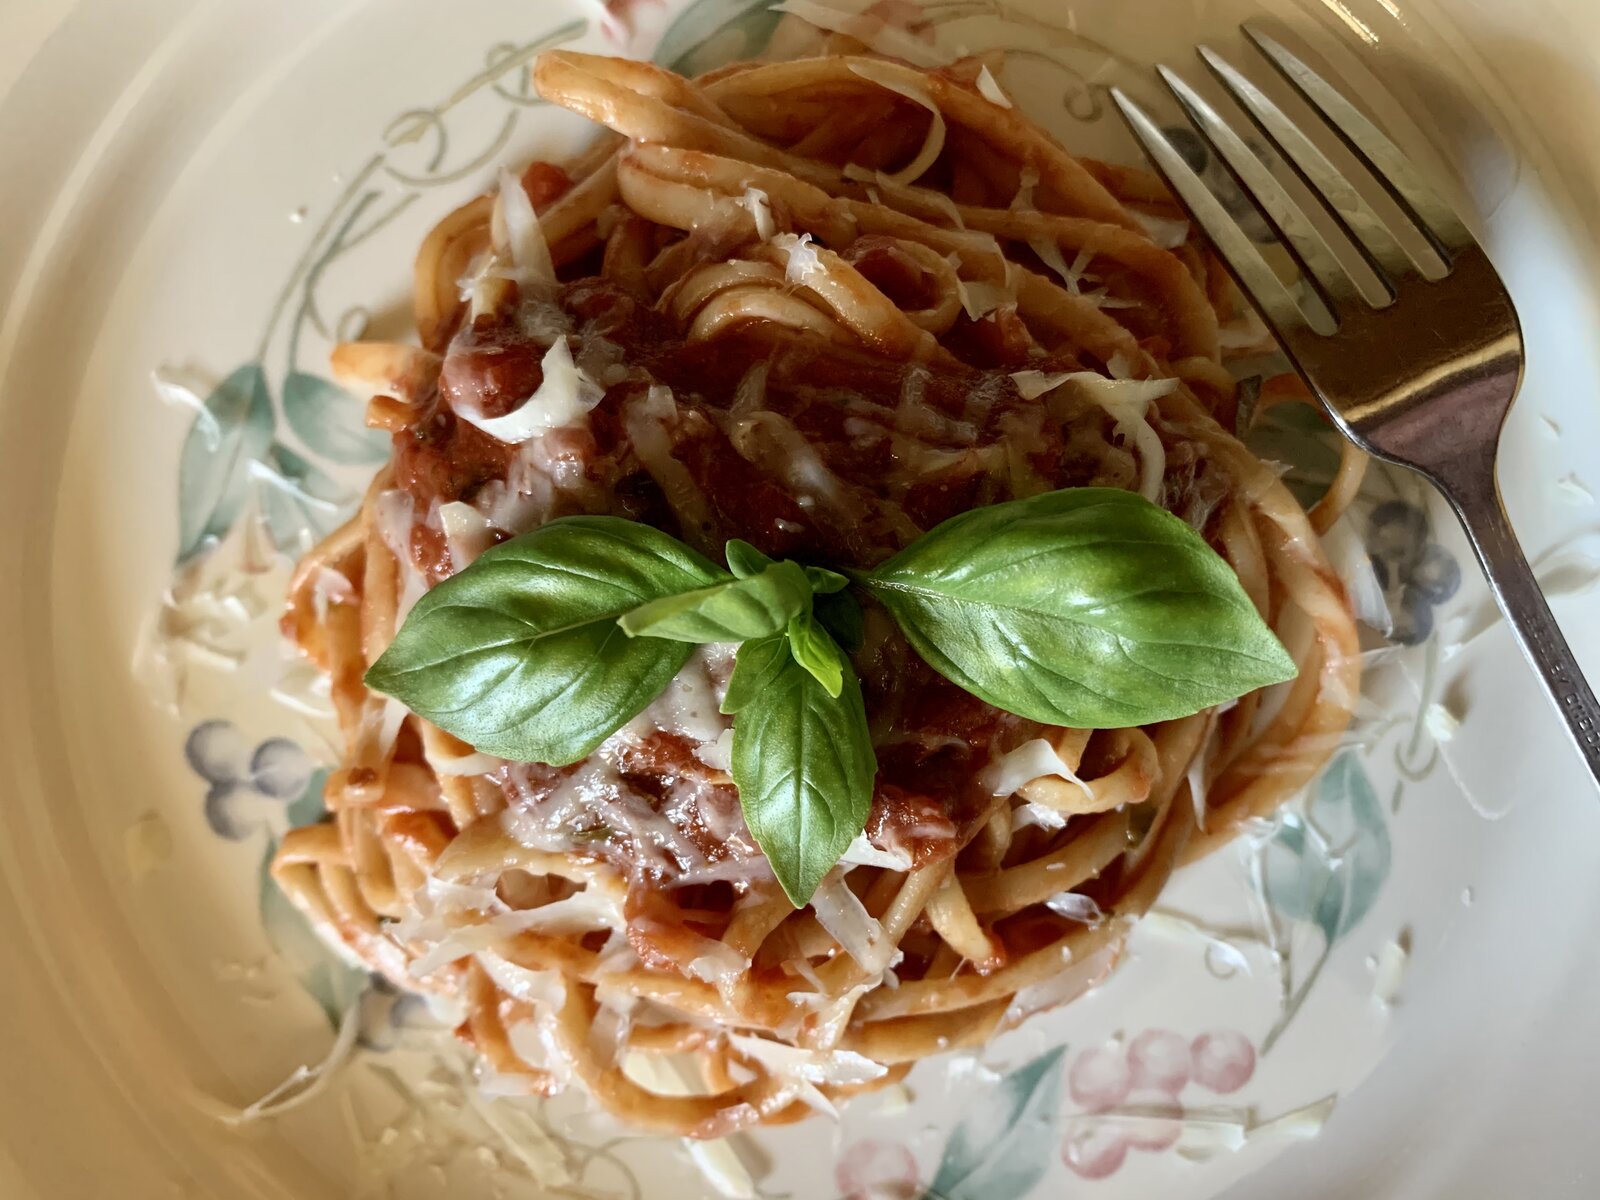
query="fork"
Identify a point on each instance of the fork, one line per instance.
(1422, 377)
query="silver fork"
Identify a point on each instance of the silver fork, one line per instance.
(1425, 377)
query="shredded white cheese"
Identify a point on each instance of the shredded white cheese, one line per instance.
(1391, 970)
(1034, 813)
(1164, 232)
(466, 531)
(302, 1084)
(563, 397)
(394, 512)
(979, 299)
(863, 853)
(1199, 785)
(1032, 760)
(989, 89)
(466, 764)
(514, 229)
(1050, 254)
(187, 390)
(1033, 384)
(841, 913)
(717, 755)
(1441, 724)
(872, 32)
(803, 260)
(719, 965)
(1133, 423)
(1075, 906)
(803, 1069)
(759, 206)
(1075, 978)
(1193, 1133)
(1127, 402)
(933, 143)
(1350, 561)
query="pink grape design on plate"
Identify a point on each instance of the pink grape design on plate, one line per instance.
(1149, 1077)
(1159, 1060)
(1092, 1150)
(1100, 1078)
(1222, 1060)
(877, 1170)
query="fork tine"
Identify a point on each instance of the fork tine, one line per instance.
(1400, 179)
(1343, 202)
(1238, 252)
(1325, 271)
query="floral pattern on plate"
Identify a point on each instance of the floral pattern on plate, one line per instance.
(278, 443)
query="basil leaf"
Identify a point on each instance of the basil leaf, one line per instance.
(825, 582)
(840, 614)
(804, 766)
(1089, 608)
(752, 607)
(813, 649)
(755, 663)
(520, 654)
(744, 560)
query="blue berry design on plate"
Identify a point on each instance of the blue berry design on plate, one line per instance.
(250, 790)
(1200, 160)
(1416, 574)
(262, 792)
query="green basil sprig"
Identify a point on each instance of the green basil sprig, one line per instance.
(1088, 608)
(802, 756)
(521, 653)
(756, 606)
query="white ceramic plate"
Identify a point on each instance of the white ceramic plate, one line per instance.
(194, 191)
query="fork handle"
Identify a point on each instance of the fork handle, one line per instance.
(1518, 594)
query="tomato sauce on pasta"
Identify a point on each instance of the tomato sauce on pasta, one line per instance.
(811, 297)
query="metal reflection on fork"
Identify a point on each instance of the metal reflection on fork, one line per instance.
(1421, 375)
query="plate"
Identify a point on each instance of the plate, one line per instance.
(1382, 996)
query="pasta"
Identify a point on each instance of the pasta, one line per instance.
(823, 303)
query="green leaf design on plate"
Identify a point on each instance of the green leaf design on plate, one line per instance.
(308, 808)
(234, 429)
(300, 503)
(1002, 1150)
(1328, 867)
(1297, 435)
(333, 983)
(711, 33)
(330, 421)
